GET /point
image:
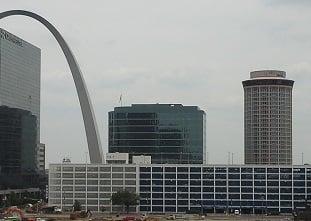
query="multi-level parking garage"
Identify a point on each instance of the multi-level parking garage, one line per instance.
(181, 188)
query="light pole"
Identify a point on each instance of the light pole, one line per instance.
(201, 203)
(262, 198)
(177, 202)
(148, 205)
(64, 199)
(231, 205)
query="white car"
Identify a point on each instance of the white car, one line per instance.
(236, 212)
(57, 210)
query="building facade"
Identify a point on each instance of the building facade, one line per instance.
(117, 158)
(20, 71)
(142, 159)
(18, 138)
(20, 64)
(92, 185)
(169, 133)
(268, 118)
(169, 188)
(18, 141)
(41, 157)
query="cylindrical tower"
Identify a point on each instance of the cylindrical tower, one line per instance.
(268, 118)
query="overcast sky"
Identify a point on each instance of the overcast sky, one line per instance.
(167, 51)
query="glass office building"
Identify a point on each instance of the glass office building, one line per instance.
(171, 188)
(20, 70)
(169, 133)
(20, 64)
(268, 118)
(18, 142)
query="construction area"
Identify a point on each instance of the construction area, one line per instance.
(54, 214)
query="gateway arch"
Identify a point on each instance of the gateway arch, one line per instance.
(92, 135)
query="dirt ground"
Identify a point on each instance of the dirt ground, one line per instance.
(151, 217)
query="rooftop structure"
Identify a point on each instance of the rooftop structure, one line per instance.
(117, 158)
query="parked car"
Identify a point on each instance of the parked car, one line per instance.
(171, 217)
(129, 218)
(236, 212)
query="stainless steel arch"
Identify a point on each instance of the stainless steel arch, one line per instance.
(93, 139)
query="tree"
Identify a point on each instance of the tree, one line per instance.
(102, 209)
(77, 206)
(125, 198)
(12, 200)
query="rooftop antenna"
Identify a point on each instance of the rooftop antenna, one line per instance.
(120, 100)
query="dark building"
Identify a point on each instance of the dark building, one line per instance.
(169, 133)
(18, 141)
(268, 118)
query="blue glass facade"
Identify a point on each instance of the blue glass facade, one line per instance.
(251, 189)
(169, 133)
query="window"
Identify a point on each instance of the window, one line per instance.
(80, 175)
(170, 169)
(68, 169)
(170, 176)
(220, 176)
(105, 182)
(246, 190)
(157, 169)
(92, 188)
(105, 169)
(130, 175)
(182, 169)
(195, 182)
(234, 176)
(67, 182)
(117, 169)
(92, 182)
(234, 170)
(92, 169)
(208, 176)
(80, 188)
(105, 189)
(130, 182)
(92, 175)
(145, 175)
(117, 175)
(182, 176)
(246, 183)
(145, 169)
(220, 183)
(105, 175)
(117, 182)
(67, 188)
(195, 169)
(195, 176)
(130, 169)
